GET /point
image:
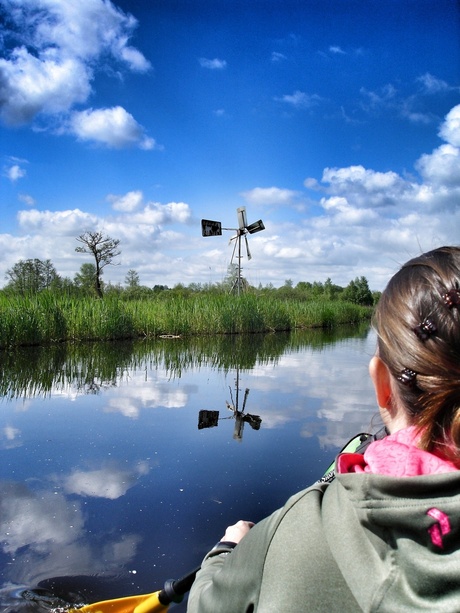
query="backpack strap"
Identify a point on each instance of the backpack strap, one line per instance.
(358, 444)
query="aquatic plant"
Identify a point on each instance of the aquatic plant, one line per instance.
(49, 318)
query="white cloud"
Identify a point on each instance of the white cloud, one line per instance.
(112, 127)
(442, 167)
(14, 172)
(143, 232)
(450, 128)
(270, 196)
(61, 44)
(347, 214)
(362, 221)
(155, 213)
(336, 49)
(127, 203)
(27, 199)
(433, 85)
(58, 223)
(31, 85)
(366, 187)
(108, 482)
(215, 64)
(10, 438)
(412, 108)
(380, 98)
(82, 30)
(45, 532)
(300, 100)
(11, 433)
(134, 58)
(36, 520)
(388, 99)
(146, 397)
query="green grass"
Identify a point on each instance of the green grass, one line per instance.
(48, 318)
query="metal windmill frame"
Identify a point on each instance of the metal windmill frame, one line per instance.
(214, 228)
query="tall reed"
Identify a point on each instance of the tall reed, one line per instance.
(48, 317)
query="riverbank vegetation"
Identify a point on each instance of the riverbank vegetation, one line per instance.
(39, 307)
(50, 318)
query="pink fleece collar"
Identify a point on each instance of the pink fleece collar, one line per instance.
(396, 455)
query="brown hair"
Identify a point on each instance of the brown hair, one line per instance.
(418, 326)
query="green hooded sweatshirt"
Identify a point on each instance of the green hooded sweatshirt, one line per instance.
(364, 542)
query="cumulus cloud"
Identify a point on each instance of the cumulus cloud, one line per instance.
(362, 221)
(127, 203)
(112, 127)
(215, 64)
(155, 213)
(146, 230)
(31, 520)
(45, 532)
(30, 85)
(366, 187)
(442, 167)
(372, 220)
(108, 482)
(60, 223)
(54, 63)
(450, 128)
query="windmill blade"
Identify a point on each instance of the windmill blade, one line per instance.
(242, 219)
(234, 248)
(246, 393)
(247, 247)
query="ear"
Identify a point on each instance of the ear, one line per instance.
(381, 378)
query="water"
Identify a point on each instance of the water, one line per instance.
(116, 473)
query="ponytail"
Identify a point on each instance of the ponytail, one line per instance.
(418, 326)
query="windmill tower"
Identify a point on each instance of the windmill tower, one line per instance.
(214, 228)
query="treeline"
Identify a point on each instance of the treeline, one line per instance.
(33, 276)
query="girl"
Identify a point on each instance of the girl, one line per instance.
(384, 535)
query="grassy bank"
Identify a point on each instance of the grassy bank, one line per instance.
(48, 318)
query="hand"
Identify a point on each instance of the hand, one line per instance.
(235, 533)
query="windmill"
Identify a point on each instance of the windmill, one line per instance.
(214, 228)
(210, 419)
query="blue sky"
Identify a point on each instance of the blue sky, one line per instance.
(335, 122)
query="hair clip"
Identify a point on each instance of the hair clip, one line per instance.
(425, 329)
(452, 298)
(407, 376)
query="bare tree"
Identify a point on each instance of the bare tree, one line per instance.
(103, 248)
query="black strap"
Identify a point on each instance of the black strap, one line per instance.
(363, 441)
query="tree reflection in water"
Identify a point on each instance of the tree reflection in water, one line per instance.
(107, 485)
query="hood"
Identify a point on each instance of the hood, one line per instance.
(397, 541)
(397, 455)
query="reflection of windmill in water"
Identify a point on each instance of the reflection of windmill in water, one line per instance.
(208, 419)
(214, 228)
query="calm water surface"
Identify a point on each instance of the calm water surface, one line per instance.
(121, 464)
